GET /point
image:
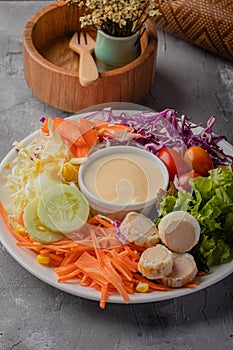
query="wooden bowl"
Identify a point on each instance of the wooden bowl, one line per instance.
(51, 68)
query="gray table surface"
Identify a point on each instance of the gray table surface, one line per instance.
(34, 315)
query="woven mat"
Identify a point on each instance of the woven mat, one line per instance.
(207, 23)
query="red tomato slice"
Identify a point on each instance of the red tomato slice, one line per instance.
(184, 179)
(173, 161)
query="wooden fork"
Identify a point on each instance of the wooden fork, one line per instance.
(83, 44)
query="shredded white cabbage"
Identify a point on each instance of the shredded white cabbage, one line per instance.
(36, 167)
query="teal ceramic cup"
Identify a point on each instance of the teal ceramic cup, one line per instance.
(117, 51)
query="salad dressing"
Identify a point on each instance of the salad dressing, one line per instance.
(123, 178)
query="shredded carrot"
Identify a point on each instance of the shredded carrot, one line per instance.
(201, 273)
(64, 270)
(57, 123)
(96, 247)
(104, 296)
(79, 135)
(191, 285)
(97, 220)
(68, 276)
(114, 278)
(153, 285)
(54, 257)
(104, 127)
(125, 273)
(73, 255)
(19, 237)
(110, 270)
(20, 219)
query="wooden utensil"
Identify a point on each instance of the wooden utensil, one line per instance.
(60, 87)
(83, 44)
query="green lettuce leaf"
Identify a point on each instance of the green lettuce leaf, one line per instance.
(211, 203)
(215, 251)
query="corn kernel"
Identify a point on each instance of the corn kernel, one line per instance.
(6, 166)
(20, 229)
(44, 260)
(142, 287)
(69, 173)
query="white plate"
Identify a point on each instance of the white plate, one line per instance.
(26, 258)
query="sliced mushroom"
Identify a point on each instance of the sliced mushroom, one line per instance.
(179, 231)
(156, 262)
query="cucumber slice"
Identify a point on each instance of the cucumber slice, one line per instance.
(35, 228)
(63, 208)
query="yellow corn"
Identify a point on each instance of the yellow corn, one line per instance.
(142, 287)
(44, 260)
(20, 229)
(38, 166)
(70, 173)
(6, 166)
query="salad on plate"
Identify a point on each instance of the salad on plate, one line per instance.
(188, 230)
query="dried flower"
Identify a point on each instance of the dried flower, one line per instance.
(116, 17)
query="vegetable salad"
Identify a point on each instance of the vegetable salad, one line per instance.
(93, 248)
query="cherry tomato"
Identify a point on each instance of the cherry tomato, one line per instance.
(174, 162)
(199, 160)
(184, 179)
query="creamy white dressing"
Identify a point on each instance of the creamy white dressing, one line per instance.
(123, 178)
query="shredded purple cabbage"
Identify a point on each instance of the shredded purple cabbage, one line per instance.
(42, 119)
(166, 129)
(117, 233)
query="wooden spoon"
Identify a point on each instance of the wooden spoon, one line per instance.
(83, 44)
